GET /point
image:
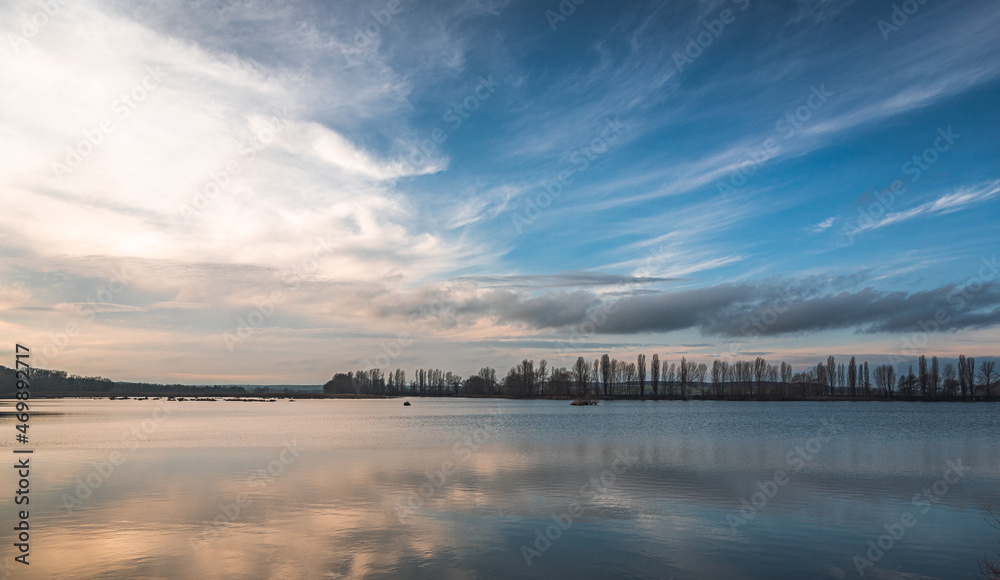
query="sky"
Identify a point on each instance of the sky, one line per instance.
(254, 192)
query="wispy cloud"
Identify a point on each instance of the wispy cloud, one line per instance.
(565, 279)
(824, 225)
(956, 201)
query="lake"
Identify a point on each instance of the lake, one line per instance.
(468, 488)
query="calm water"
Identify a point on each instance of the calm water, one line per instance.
(469, 489)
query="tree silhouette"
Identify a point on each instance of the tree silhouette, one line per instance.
(489, 378)
(699, 373)
(743, 371)
(640, 364)
(831, 373)
(719, 371)
(986, 377)
(786, 377)
(852, 377)
(922, 373)
(961, 375)
(520, 380)
(950, 384)
(560, 382)
(606, 373)
(885, 379)
(629, 372)
(581, 376)
(477, 385)
(684, 377)
(933, 379)
(970, 370)
(990, 569)
(540, 377)
(614, 378)
(759, 371)
(340, 383)
(654, 373)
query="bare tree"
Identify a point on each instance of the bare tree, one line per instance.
(759, 371)
(786, 372)
(671, 378)
(581, 376)
(989, 569)
(962, 375)
(616, 375)
(454, 381)
(482, 383)
(821, 375)
(912, 383)
(786, 377)
(772, 377)
(489, 375)
(950, 381)
(439, 381)
(922, 374)
(527, 378)
(606, 373)
(831, 373)
(726, 377)
(852, 377)
(743, 373)
(684, 377)
(541, 376)
(986, 377)
(641, 370)
(629, 372)
(377, 381)
(720, 369)
(933, 380)
(885, 378)
(970, 372)
(654, 372)
(560, 381)
(699, 373)
(967, 375)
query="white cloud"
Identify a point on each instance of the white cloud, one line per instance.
(825, 224)
(949, 203)
(200, 124)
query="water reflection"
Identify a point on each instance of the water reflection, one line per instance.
(468, 489)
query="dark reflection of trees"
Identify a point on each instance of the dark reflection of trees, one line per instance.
(990, 569)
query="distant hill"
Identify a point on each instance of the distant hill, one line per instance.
(60, 383)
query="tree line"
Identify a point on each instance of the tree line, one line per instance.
(756, 379)
(47, 381)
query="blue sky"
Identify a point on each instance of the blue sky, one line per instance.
(254, 192)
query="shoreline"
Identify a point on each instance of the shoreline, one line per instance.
(185, 397)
